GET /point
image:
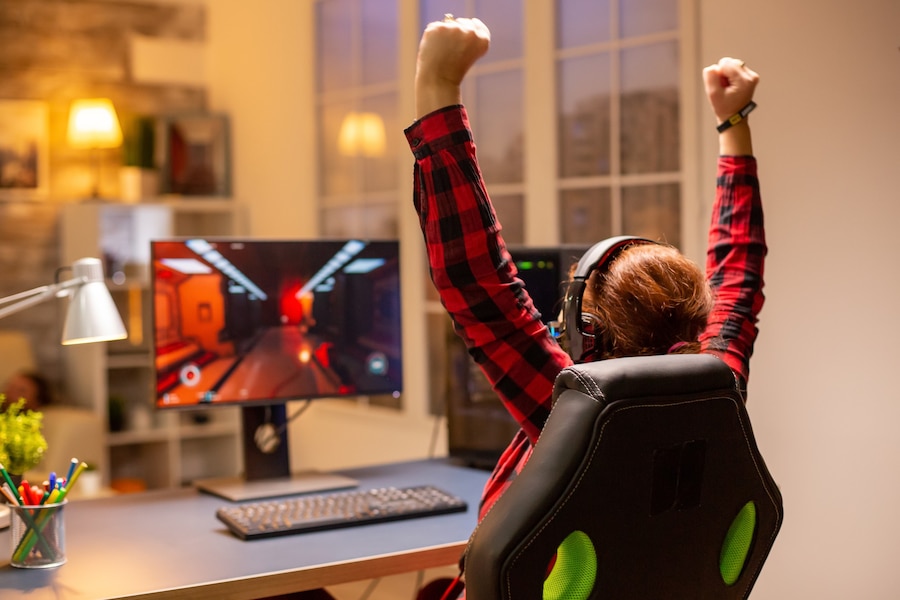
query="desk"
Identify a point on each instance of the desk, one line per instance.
(169, 545)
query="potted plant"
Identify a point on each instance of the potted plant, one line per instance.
(22, 444)
(138, 177)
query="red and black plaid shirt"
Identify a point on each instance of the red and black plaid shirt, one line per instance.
(478, 284)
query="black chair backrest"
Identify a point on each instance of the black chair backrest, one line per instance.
(646, 483)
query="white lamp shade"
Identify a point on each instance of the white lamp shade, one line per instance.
(92, 314)
(93, 124)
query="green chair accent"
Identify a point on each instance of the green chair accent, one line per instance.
(574, 571)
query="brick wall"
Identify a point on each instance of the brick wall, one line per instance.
(56, 51)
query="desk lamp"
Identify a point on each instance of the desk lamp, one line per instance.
(93, 125)
(92, 315)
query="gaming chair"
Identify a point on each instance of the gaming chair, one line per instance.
(646, 483)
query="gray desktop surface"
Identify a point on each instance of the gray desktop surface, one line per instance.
(170, 545)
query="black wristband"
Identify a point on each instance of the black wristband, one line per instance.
(737, 117)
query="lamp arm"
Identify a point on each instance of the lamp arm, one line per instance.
(13, 304)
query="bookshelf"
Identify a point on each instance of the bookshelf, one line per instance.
(149, 448)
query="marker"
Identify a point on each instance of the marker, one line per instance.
(8, 494)
(72, 467)
(12, 486)
(70, 481)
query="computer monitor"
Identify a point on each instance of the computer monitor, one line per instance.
(257, 323)
(478, 425)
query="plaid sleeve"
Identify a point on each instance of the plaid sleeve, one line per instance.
(472, 271)
(734, 263)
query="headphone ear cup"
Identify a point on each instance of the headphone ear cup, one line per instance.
(591, 336)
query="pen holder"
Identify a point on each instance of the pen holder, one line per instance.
(37, 536)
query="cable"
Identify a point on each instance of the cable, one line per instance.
(370, 588)
(271, 435)
(435, 432)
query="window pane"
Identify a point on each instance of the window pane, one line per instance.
(640, 17)
(380, 171)
(337, 167)
(504, 17)
(584, 129)
(586, 216)
(650, 110)
(498, 124)
(653, 211)
(510, 213)
(581, 22)
(334, 49)
(379, 51)
(434, 10)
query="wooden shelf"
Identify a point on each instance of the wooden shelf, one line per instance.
(172, 450)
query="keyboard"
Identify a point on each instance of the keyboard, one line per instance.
(331, 510)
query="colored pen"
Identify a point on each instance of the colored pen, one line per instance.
(71, 480)
(8, 494)
(72, 467)
(12, 486)
(51, 482)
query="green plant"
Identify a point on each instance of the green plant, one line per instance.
(22, 445)
(139, 143)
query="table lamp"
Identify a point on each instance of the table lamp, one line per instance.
(362, 134)
(93, 125)
(92, 315)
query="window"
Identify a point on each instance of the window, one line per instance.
(358, 104)
(493, 95)
(579, 126)
(618, 69)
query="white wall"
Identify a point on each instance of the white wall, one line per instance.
(261, 71)
(822, 397)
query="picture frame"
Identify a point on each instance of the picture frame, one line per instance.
(24, 149)
(196, 154)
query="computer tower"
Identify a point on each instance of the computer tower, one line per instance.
(479, 427)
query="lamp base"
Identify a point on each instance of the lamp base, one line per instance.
(137, 184)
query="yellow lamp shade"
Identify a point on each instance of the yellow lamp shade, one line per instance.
(362, 134)
(93, 124)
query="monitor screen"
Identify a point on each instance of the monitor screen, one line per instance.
(257, 323)
(241, 321)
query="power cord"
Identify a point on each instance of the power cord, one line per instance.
(267, 437)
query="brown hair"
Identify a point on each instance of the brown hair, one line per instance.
(650, 300)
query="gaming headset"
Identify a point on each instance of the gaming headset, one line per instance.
(582, 330)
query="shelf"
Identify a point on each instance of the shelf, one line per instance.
(162, 449)
(208, 430)
(138, 436)
(130, 360)
(198, 204)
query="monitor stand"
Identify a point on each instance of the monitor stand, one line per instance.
(267, 463)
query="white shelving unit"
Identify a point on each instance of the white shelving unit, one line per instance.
(157, 449)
